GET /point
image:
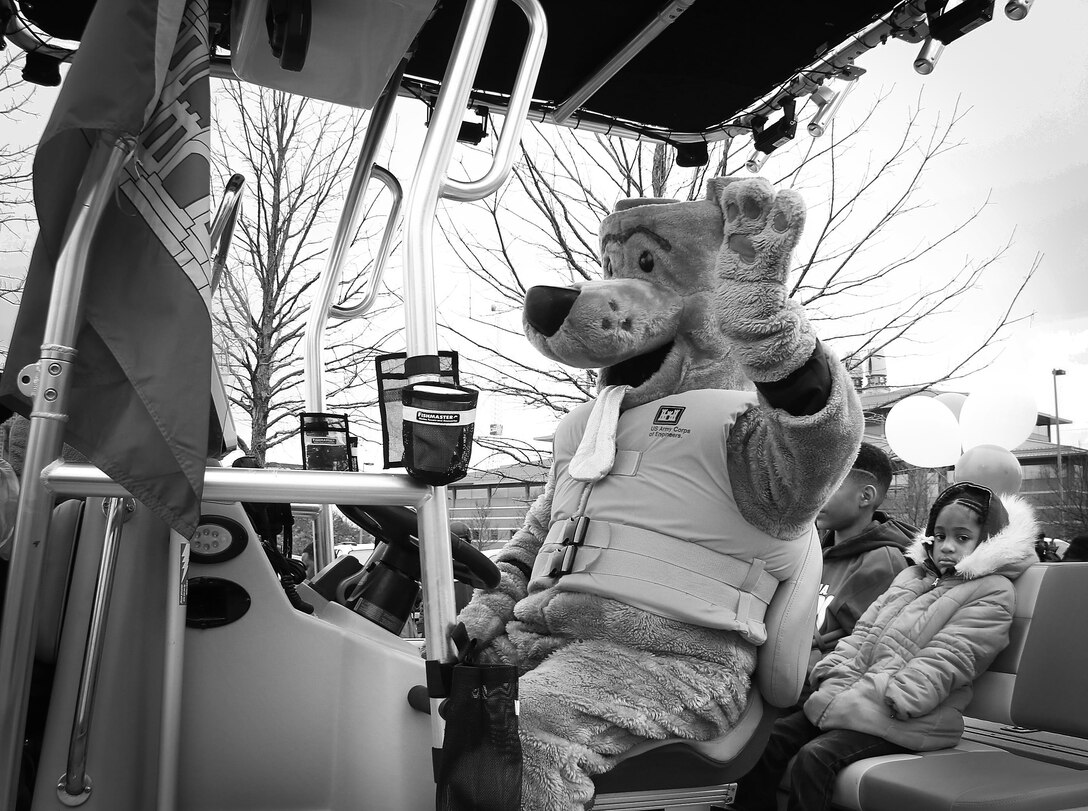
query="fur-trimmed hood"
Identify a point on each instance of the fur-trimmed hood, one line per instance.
(1009, 552)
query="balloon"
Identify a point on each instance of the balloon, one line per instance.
(923, 432)
(1003, 416)
(954, 401)
(992, 466)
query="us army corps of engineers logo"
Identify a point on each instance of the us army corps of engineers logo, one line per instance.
(667, 423)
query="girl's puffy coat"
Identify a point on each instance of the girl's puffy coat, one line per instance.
(905, 674)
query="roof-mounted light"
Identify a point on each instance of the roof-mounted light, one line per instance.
(828, 99)
(1018, 9)
(755, 161)
(927, 58)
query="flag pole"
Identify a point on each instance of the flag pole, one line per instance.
(48, 382)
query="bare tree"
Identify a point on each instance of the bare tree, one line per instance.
(1074, 509)
(565, 183)
(297, 155)
(1065, 515)
(912, 492)
(16, 212)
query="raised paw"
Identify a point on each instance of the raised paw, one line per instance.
(761, 230)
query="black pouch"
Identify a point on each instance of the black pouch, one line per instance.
(392, 373)
(438, 422)
(480, 768)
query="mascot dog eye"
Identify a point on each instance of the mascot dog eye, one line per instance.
(646, 262)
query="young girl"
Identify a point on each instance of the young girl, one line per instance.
(901, 680)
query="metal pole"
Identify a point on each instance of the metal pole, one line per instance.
(74, 786)
(263, 485)
(314, 344)
(54, 371)
(222, 231)
(173, 663)
(1058, 437)
(421, 331)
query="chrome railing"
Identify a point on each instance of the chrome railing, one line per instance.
(74, 786)
(322, 305)
(222, 230)
(429, 183)
(48, 382)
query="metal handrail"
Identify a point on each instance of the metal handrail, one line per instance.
(521, 96)
(345, 312)
(173, 664)
(222, 230)
(421, 330)
(322, 304)
(74, 787)
(50, 399)
(276, 485)
(420, 308)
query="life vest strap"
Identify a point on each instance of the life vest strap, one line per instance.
(581, 545)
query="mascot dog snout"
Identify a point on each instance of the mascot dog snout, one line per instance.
(546, 307)
(601, 323)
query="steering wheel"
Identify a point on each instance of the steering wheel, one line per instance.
(398, 527)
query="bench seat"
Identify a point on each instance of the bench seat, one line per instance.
(961, 779)
(1036, 682)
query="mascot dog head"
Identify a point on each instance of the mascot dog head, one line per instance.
(652, 321)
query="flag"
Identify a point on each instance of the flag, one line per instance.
(139, 406)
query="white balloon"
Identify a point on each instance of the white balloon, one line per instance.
(954, 400)
(1004, 416)
(923, 432)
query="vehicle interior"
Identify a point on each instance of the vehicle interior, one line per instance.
(134, 680)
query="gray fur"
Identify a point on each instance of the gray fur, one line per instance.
(716, 290)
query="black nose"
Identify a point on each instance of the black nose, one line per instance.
(547, 307)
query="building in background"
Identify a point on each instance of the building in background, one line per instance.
(493, 502)
(1062, 510)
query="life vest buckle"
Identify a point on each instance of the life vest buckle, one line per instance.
(574, 535)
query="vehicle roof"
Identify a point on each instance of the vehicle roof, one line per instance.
(711, 64)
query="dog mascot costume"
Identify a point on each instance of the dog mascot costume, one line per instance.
(632, 598)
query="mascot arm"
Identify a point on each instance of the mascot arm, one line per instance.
(788, 454)
(804, 391)
(486, 615)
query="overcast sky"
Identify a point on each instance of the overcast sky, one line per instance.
(1027, 86)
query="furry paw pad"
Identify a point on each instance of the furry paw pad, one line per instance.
(761, 229)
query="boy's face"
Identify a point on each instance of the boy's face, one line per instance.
(854, 497)
(955, 535)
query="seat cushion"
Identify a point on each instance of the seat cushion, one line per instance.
(961, 779)
(674, 763)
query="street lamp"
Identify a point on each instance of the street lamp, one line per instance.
(1058, 433)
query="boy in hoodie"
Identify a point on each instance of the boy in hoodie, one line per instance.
(900, 682)
(863, 549)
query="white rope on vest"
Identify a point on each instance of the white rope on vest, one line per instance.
(597, 451)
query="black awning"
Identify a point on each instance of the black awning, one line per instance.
(709, 65)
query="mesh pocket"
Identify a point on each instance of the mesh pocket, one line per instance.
(481, 755)
(438, 422)
(392, 378)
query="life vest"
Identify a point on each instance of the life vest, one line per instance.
(662, 530)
